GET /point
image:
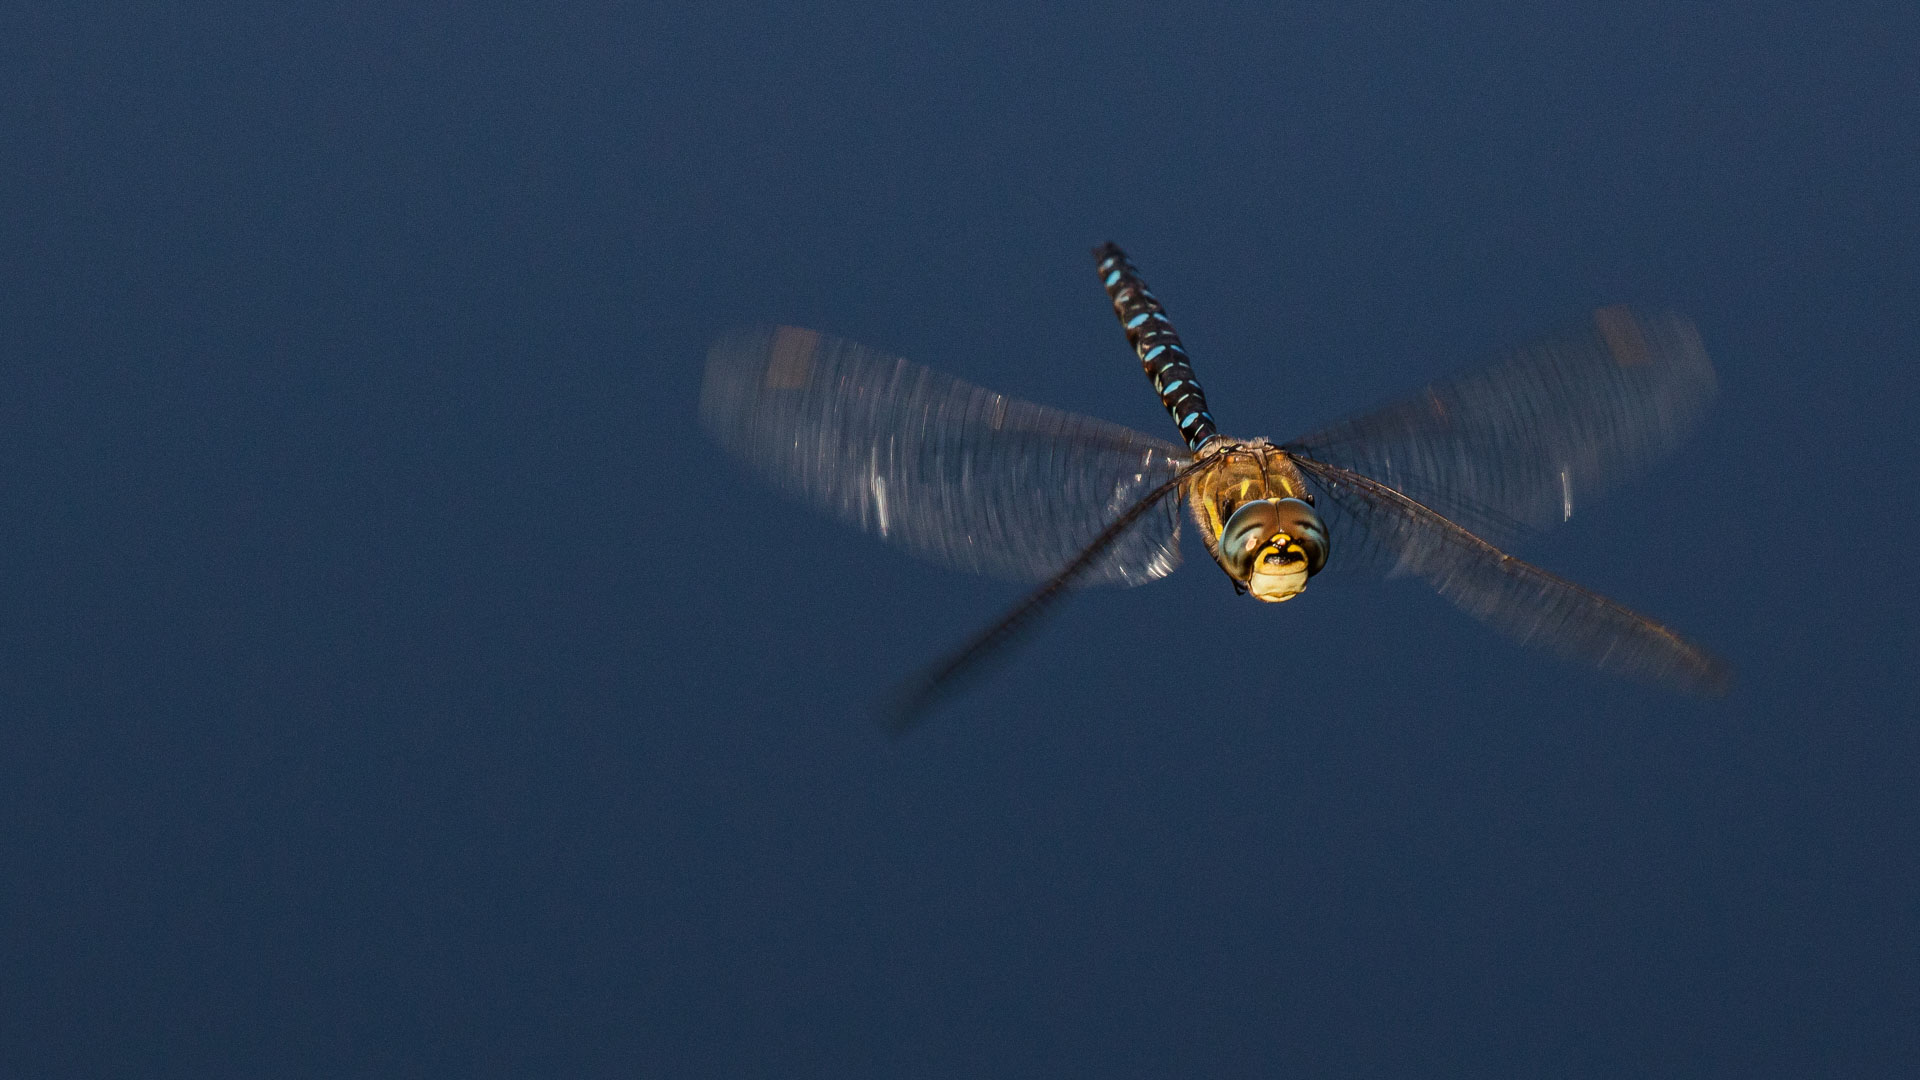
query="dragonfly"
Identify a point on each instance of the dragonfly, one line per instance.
(1432, 486)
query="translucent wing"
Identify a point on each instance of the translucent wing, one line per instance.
(912, 699)
(1516, 446)
(957, 474)
(1514, 597)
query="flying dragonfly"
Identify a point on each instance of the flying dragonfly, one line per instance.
(1431, 486)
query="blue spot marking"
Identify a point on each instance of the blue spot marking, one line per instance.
(1137, 320)
(1113, 277)
(1153, 352)
(1187, 419)
(1172, 386)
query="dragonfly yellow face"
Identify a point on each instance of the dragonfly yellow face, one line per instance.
(1429, 486)
(1254, 510)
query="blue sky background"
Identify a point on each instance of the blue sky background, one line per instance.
(387, 686)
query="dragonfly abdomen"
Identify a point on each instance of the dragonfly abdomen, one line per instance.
(1158, 346)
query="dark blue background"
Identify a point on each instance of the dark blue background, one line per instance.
(388, 684)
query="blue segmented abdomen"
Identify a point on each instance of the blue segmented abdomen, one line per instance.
(1158, 347)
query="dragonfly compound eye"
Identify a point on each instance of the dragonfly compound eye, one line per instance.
(1274, 545)
(1302, 523)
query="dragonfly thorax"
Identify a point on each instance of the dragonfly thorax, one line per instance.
(1253, 508)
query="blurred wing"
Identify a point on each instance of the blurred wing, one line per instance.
(1516, 446)
(1516, 598)
(957, 474)
(912, 699)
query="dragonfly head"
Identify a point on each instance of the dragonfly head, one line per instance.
(1274, 546)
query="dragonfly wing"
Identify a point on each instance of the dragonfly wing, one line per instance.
(912, 699)
(1514, 447)
(1515, 597)
(960, 475)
